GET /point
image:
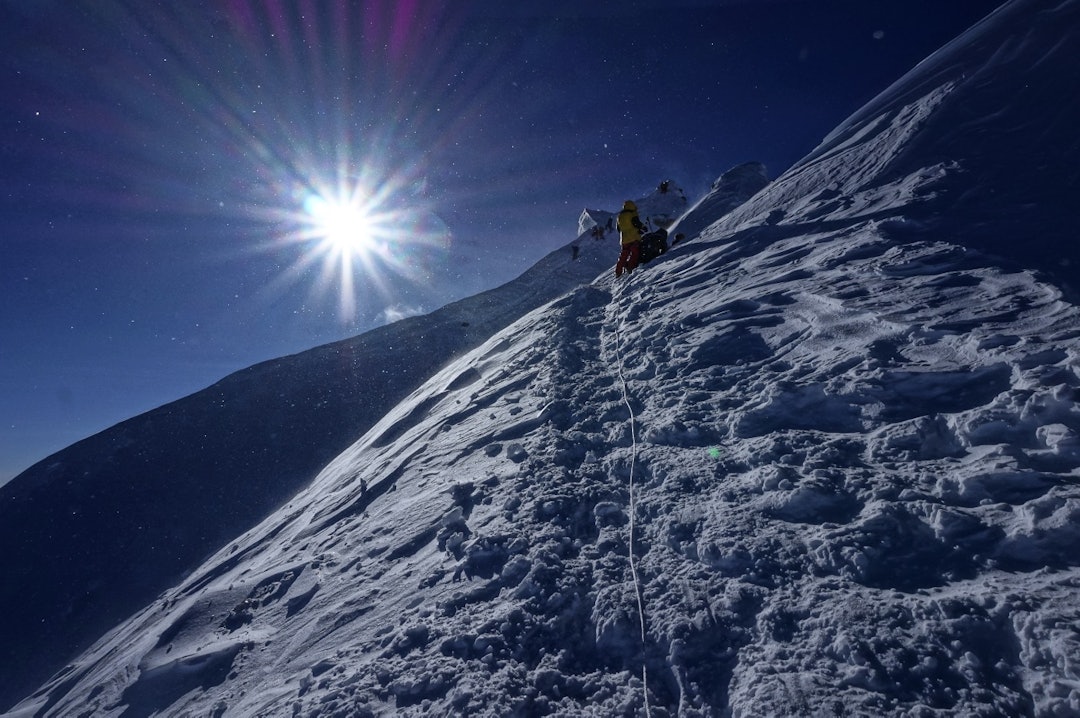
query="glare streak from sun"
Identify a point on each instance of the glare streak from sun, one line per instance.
(343, 229)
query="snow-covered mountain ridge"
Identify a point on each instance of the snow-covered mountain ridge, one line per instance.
(841, 450)
(667, 203)
(978, 141)
(124, 514)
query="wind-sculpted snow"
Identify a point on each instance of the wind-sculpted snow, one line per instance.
(854, 446)
(100, 528)
(857, 469)
(978, 142)
(726, 194)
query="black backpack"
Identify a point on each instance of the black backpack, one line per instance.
(653, 245)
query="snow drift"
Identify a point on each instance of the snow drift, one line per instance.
(819, 459)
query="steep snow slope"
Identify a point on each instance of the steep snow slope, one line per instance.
(855, 473)
(97, 530)
(979, 141)
(726, 194)
(839, 452)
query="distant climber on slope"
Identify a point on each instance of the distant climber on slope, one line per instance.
(630, 227)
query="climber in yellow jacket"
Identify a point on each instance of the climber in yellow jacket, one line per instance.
(630, 227)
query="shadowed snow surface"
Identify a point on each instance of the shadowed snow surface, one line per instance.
(839, 447)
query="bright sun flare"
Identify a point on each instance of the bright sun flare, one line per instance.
(345, 226)
(367, 236)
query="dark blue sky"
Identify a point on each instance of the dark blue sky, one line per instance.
(158, 160)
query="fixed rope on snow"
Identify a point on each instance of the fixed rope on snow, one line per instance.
(633, 509)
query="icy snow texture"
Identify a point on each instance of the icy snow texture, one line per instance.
(125, 514)
(857, 459)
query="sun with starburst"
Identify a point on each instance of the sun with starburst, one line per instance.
(344, 225)
(366, 228)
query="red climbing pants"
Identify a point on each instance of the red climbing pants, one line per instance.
(628, 258)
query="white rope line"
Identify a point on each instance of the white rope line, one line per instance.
(633, 513)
